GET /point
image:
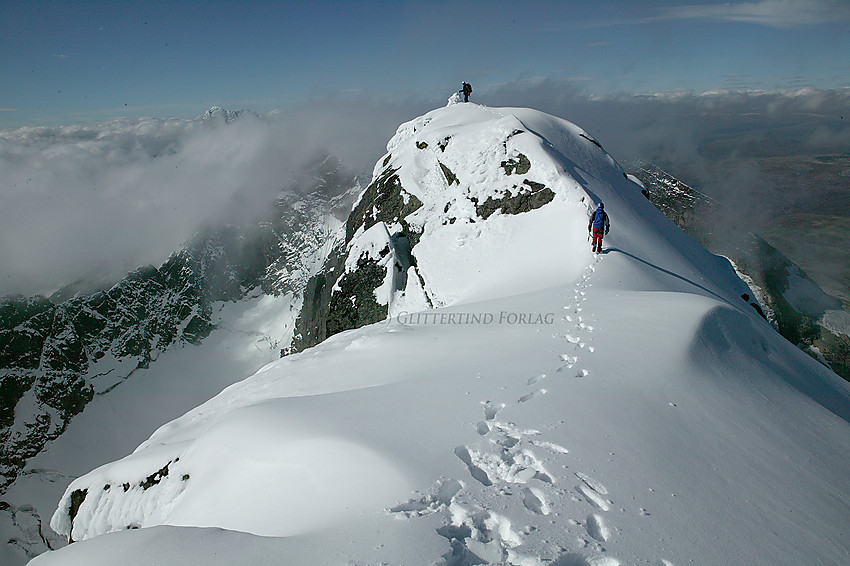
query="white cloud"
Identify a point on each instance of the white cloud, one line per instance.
(774, 13)
(100, 200)
(108, 198)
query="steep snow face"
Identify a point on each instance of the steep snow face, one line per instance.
(560, 409)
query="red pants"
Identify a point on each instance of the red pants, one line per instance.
(596, 245)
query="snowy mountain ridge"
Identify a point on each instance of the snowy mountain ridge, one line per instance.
(640, 412)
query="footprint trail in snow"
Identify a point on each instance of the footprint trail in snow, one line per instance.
(516, 478)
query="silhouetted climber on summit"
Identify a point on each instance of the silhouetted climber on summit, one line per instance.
(466, 90)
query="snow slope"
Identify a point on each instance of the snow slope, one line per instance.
(558, 408)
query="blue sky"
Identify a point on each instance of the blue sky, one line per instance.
(67, 62)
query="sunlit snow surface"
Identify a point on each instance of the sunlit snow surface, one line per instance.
(560, 408)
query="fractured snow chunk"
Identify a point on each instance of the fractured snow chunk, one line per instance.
(439, 497)
(475, 471)
(488, 552)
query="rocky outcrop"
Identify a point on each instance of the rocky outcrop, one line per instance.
(356, 288)
(527, 197)
(354, 304)
(311, 327)
(384, 200)
(342, 295)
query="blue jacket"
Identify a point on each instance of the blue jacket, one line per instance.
(599, 219)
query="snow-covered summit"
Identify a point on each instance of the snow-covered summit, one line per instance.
(477, 171)
(446, 218)
(472, 203)
(217, 114)
(524, 402)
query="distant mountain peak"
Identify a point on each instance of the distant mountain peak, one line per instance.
(217, 114)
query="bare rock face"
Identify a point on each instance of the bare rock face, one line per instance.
(384, 200)
(342, 295)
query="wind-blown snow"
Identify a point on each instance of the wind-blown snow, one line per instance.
(559, 408)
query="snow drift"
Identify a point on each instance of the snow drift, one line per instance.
(524, 402)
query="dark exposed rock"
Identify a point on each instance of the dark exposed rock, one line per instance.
(354, 304)
(325, 312)
(451, 178)
(520, 165)
(384, 200)
(154, 478)
(526, 199)
(78, 496)
(591, 140)
(24, 327)
(311, 325)
(682, 204)
(335, 300)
